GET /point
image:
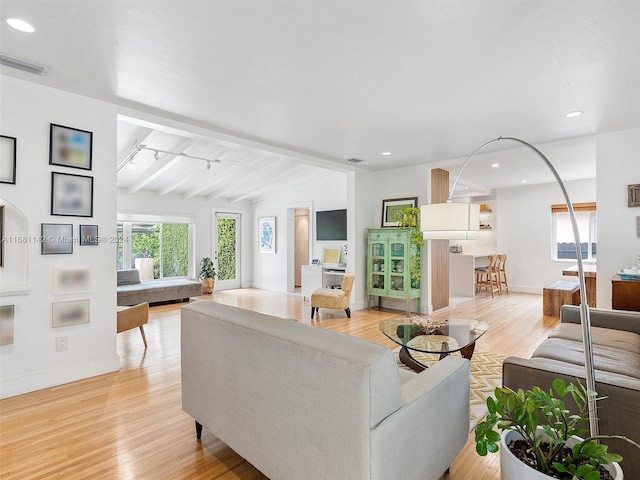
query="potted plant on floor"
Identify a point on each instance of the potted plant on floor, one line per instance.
(207, 275)
(540, 437)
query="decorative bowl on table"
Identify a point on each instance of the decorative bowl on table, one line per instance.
(429, 325)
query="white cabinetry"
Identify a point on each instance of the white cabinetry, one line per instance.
(462, 273)
(317, 276)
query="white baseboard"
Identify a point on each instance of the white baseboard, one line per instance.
(525, 289)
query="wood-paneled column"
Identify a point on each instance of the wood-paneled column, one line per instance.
(439, 248)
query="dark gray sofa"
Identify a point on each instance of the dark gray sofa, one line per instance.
(131, 291)
(616, 351)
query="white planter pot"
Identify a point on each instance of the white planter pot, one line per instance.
(511, 468)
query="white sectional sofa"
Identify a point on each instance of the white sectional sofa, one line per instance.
(302, 402)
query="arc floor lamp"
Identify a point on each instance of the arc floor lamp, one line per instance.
(461, 221)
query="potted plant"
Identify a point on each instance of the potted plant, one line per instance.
(409, 217)
(207, 275)
(540, 436)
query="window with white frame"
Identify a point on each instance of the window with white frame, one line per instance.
(563, 242)
(157, 246)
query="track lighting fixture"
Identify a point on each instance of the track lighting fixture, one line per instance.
(156, 156)
(175, 154)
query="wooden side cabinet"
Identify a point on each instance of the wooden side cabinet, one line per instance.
(389, 253)
(625, 294)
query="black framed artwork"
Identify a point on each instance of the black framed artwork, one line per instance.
(70, 147)
(71, 195)
(89, 235)
(391, 206)
(56, 239)
(8, 157)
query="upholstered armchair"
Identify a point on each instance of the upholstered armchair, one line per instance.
(335, 298)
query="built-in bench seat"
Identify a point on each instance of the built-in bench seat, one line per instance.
(132, 291)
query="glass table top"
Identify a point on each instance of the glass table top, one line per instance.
(434, 335)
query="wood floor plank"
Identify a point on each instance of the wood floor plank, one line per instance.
(129, 424)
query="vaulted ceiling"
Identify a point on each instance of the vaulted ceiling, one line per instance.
(149, 160)
(282, 91)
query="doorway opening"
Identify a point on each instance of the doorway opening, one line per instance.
(226, 250)
(300, 242)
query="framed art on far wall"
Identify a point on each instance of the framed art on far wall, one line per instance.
(393, 205)
(267, 234)
(8, 159)
(71, 195)
(70, 147)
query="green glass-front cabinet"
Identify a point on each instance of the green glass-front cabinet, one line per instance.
(389, 252)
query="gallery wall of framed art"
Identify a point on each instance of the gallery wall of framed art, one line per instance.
(61, 184)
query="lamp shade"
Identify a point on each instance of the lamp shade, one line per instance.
(450, 221)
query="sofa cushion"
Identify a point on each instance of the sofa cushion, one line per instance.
(605, 359)
(128, 277)
(617, 339)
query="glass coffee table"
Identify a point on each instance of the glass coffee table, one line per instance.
(433, 335)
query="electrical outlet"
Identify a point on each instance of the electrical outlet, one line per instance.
(61, 344)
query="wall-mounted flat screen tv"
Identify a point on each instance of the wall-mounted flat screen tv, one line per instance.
(331, 225)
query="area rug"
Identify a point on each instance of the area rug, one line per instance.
(486, 375)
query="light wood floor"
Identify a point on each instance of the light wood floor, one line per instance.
(129, 424)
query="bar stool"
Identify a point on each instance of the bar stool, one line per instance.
(502, 273)
(487, 277)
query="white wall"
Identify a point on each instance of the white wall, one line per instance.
(618, 165)
(486, 242)
(360, 192)
(203, 211)
(523, 216)
(327, 193)
(31, 362)
(414, 181)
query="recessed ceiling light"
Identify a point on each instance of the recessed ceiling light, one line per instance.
(20, 25)
(577, 113)
(524, 181)
(495, 165)
(386, 154)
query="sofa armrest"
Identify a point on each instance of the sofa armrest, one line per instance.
(127, 277)
(436, 406)
(617, 410)
(600, 317)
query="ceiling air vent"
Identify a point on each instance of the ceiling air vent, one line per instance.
(22, 65)
(354, 160)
